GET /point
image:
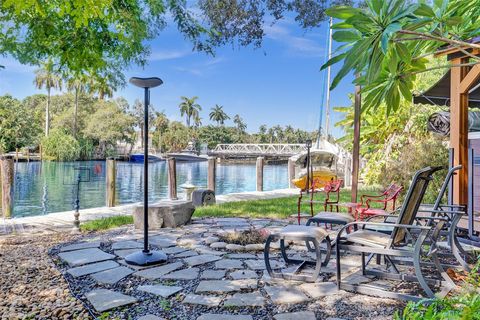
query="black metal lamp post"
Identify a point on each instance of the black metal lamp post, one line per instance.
(146, 257)
(308, 144)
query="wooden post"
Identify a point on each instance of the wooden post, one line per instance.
(41, 152)
(291, 173)
(16, 154)
(28, 155)
(212, 172)
(260, 164)
(6, 176)
(111, 178)
(459, 129)
(172, 178)
(356, 143)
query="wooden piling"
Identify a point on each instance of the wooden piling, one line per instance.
(260, 165)
(212, 171)
(111, 178)
(291, 173)
(16, 154)
(41, 153)
(172, 178)
(6, 177)
(28, 154)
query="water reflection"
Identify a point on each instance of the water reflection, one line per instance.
(46, 187)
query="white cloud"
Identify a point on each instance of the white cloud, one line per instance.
(160, 55)
(296, 45)
(194, 71)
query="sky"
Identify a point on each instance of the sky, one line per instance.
(277, 84)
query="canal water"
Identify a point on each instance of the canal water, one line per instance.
(44, 187)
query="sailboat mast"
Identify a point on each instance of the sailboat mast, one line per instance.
(327, 106)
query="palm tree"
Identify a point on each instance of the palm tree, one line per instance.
(197, 121)
(78, 83)
(47, 77)
(102, 87)
(218, 115)
(190, 108)
(241, 126)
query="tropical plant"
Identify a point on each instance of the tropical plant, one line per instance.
(387, 43)
(138, 113)
(47, 76)
(190, 109)
(60, 146)
(461, 305)
(218, 115)
(161, 124)
(241, 125)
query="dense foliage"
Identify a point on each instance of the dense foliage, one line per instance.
(104, 128)
(463, 305)
(387, 43)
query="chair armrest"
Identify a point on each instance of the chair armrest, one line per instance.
(378, 224)
(443, 211)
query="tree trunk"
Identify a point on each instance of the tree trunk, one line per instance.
(75, 114)
(47, 113)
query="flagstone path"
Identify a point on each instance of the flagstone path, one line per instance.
(200, 280)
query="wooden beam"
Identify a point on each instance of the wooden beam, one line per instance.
(459, 131)
(356, 143)
(470, 79)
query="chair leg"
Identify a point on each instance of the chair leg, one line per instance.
(416, 265)
(363, 263)
(339, 276)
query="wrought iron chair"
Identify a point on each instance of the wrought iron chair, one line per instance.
(332, 187)
(390, 195)
(406, 240)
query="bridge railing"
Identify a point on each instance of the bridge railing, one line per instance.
(258, 149)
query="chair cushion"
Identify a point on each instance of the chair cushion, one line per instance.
(332, 217)
(369, 238)
(303, 231)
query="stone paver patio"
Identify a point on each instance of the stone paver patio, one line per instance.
(201, 280)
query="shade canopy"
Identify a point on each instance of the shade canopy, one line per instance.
(439, 94)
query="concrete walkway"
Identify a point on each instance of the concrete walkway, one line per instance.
(63, 221)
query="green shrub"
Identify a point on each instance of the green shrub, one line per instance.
(60, 146)
(465, 305)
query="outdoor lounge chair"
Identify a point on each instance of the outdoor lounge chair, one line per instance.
(451, 214)
(405, 240)
(390, 195)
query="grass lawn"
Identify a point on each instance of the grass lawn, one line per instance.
(270, 208)
(106, 223)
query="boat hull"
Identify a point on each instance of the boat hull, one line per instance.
(139, 158)
(186, 157)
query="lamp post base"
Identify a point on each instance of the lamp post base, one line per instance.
(142, 258)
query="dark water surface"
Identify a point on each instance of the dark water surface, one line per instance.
(44, 187)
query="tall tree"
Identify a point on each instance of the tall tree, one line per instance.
(218, 115)
(241, 126)
(78, 83)
(190, 109)
(48, 77)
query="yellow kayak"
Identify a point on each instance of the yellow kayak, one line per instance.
(320, 179)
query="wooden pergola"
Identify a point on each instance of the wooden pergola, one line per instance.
(463, 77)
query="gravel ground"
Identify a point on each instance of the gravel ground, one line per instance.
(31, 287)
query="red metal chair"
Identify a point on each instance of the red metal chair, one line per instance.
(331, 187)
(365, 209)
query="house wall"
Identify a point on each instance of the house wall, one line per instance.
(475, 145)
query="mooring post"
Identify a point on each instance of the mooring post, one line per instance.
(291, 173)
(41, 152)
(260, 165)
(212, 171)
(28, 154)
(6, 176)
(16, 154)
(111, 177)
(172, 178)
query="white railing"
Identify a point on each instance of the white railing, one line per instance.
(260, 149)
